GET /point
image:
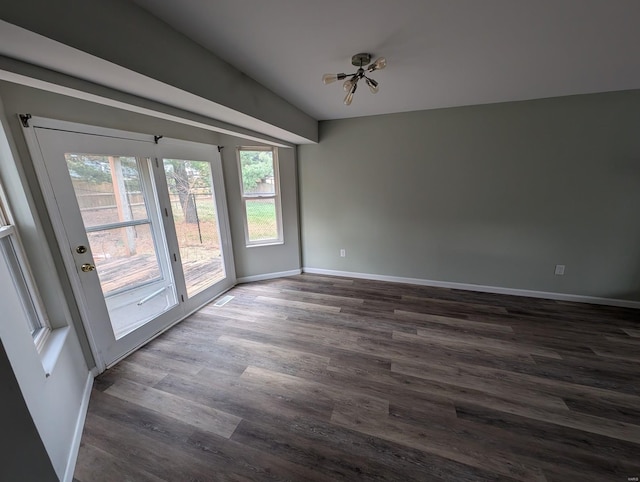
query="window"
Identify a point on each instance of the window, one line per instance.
(260, 189)
(15, 271)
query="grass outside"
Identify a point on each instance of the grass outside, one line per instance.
(261, 219)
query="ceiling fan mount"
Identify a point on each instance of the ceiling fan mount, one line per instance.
(361, 59)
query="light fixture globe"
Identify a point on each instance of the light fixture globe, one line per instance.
(351, 84)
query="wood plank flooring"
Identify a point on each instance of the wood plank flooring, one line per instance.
(328, 379)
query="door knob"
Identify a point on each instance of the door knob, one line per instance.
(87, 267)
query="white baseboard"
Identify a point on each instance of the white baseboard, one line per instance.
(260, 277)
(77, 436)
(481, 288)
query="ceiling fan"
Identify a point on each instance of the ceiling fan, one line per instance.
(351, 84)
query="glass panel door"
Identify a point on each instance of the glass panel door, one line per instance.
(189, 177)
(192, 195)
(124, 235)
(142, 228)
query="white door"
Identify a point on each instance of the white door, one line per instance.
(142, 226)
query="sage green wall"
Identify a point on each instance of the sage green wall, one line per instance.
(493, 195)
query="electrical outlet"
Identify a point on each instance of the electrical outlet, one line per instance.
(559, 269)
(343, 253)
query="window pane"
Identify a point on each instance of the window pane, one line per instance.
(3, 217)
(261, 219)
(124, 257)
(196, 221)
(257, 172)
(11, 274)
(107, 188)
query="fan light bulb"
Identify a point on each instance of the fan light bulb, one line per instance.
(373, 85)
(379, 64)
(329, 78)
(349, 98)
(348, 84)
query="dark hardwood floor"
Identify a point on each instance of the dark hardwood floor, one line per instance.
(324, 378)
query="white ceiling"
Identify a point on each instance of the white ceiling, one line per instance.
(440, 53)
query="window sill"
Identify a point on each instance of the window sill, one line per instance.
(52, 348)
(261, 245)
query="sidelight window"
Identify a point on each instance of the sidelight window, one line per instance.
(260, 190)
(15, 275)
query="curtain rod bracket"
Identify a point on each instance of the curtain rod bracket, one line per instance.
(220, 148)
(157, 138)
(24, 118)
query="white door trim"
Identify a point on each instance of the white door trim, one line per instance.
(61, 236)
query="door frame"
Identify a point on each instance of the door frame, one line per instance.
(168, 146)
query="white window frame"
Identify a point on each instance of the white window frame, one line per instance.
(253, 196)
(11, 248)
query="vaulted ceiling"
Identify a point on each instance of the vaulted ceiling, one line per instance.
(440, 53)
